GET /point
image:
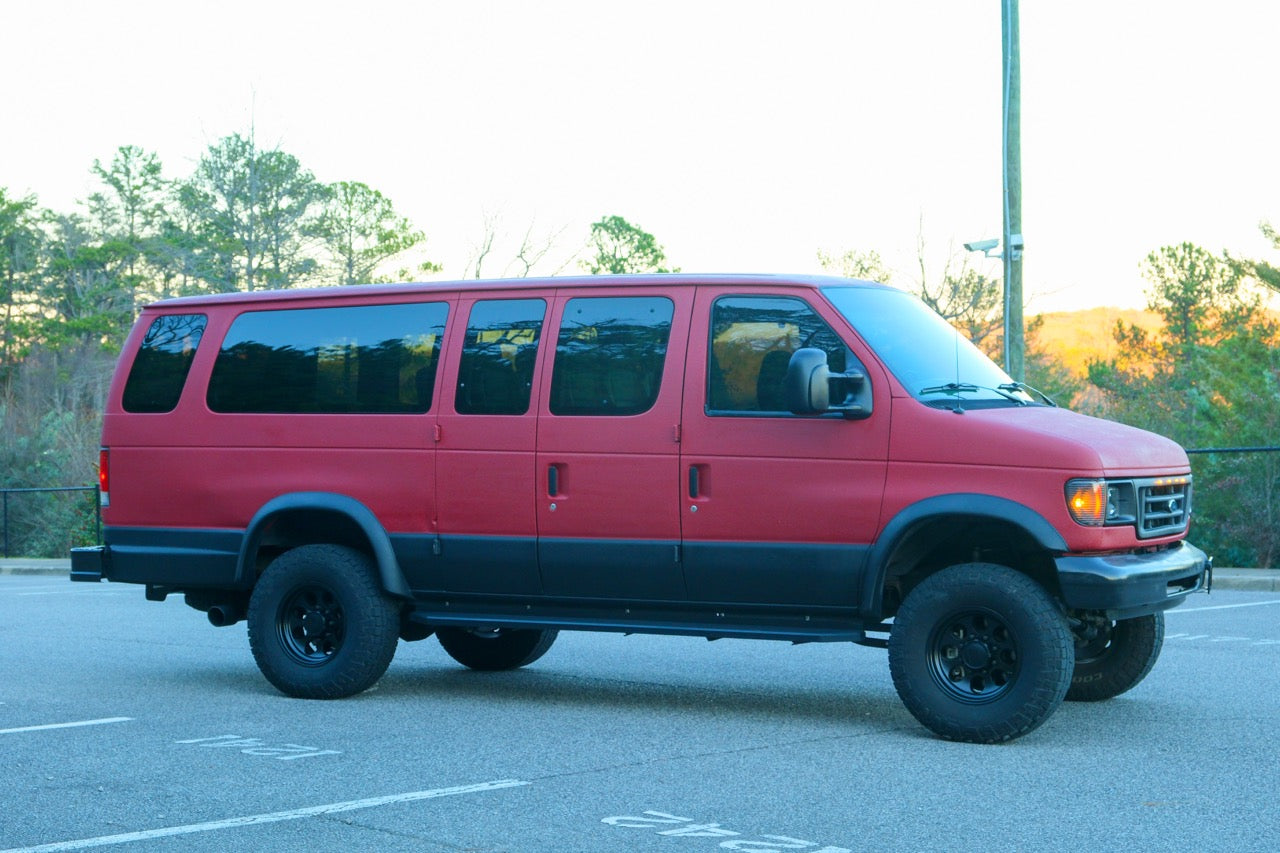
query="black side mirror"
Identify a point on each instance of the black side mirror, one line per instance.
(810, 386)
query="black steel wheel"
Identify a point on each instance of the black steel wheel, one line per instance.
(974, 656)
(494, 649)
(980, 653)
(311, 625)
(1111, 656)
(320, 626)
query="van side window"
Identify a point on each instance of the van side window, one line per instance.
(752, 339)
(160, 369)
(610, 354)
(364, 359)
(495, 375)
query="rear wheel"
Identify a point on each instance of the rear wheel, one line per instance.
(494, 649)
(1112, 657)
(320, 626)
(980, 653)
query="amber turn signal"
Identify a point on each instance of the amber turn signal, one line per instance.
(1087, 501)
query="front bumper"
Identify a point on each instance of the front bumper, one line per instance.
(1128, 585)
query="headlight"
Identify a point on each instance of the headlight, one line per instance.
(1087, 501)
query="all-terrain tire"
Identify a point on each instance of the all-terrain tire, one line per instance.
(493, 649)
(980, 653)
(1112, 657)
(320, 625)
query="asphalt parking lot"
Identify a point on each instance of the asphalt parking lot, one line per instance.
(136, 725)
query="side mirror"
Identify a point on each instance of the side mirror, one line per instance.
(809, 384)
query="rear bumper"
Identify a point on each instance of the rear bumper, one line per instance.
(89, 564)
(168, 557)
(1127, 585)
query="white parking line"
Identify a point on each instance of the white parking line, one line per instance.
(101, 722)
(1221, 607)
(272, 817)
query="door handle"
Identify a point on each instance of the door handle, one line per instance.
(553, 481)
(693, 481)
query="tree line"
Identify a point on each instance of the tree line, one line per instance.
(249, 218)
(246, 218)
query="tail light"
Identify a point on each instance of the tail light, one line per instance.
(104, 478)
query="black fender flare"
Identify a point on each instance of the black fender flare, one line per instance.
(959, 505)
(384, 556)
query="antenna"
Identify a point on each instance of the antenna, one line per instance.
(959, 409)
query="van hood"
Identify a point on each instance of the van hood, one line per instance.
(1035, 437)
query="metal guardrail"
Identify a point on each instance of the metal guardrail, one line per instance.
(97, 505)
(1234, 450)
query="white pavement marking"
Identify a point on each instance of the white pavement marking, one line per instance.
(75, 725)
(273, 817)
(1222, 607)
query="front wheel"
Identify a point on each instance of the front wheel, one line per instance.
(1112, 657)
(980, 653)
(493, 649)
(320, 626)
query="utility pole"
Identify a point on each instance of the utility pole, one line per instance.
(1011, 112)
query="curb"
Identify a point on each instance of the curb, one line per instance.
(33, 566)
(1251, 580)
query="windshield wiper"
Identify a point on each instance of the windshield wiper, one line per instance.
(955, 389)
(1027, 389)
(950, 388)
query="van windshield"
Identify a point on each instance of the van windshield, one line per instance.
(937, 365)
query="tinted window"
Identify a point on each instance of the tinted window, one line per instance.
(160, 368)
(363, 359)
(609, 355)
(752, 339)
(495, 375)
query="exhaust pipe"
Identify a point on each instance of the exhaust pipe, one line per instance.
(222, 615)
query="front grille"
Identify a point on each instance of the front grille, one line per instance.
(1164, 506)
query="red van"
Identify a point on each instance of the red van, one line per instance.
(787, 458)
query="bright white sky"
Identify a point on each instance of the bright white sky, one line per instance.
(744, 135)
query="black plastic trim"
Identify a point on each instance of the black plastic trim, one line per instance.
(1133, 584)
(781, 573)
(175, 557)
(699, 619)
(89, 564)
(469, 564)
(976, 507)
(384, 555)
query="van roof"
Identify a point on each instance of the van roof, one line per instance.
(554, 282)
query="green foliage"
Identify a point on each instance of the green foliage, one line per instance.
(1210, 378)
(1267, 273)
(363, 231)
(45, 442)
(618, 247)
(20, 247)
(254, 216)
